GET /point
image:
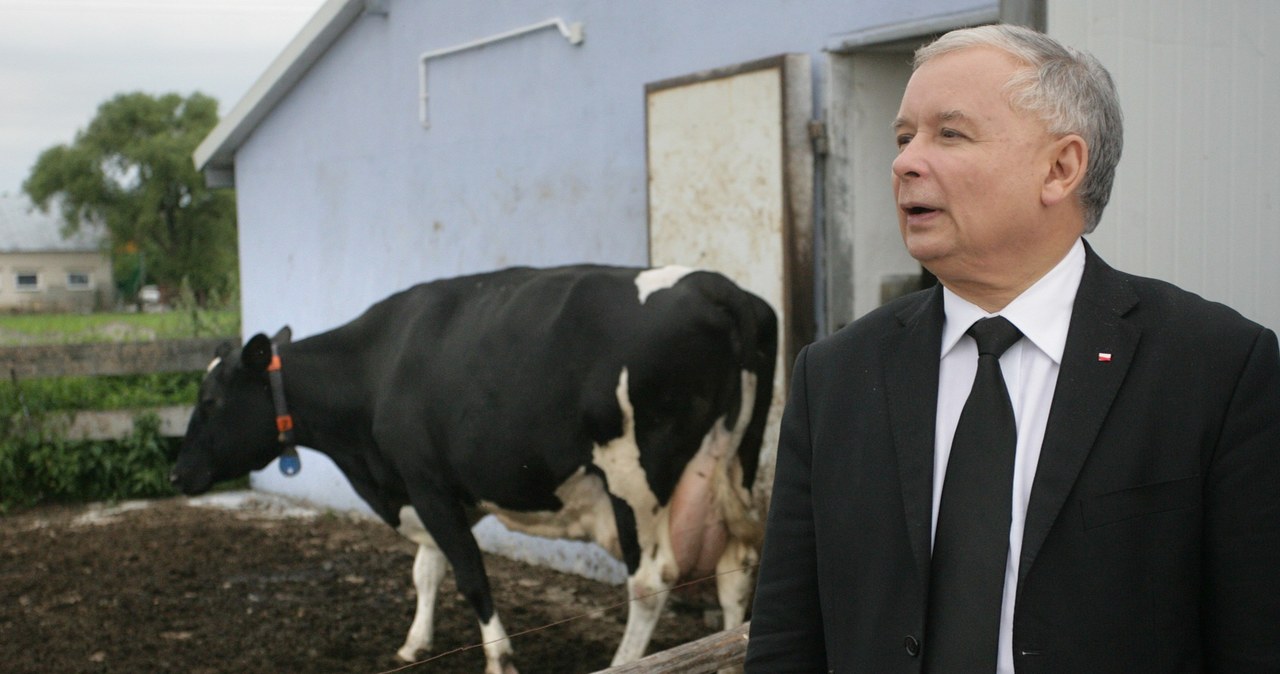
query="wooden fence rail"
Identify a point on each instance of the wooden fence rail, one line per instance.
(116, 424)
(88, 360)
(717, 652)
(92, 360)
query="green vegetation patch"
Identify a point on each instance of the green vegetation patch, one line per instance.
(33, 396)
(36, 468)
(38, 465)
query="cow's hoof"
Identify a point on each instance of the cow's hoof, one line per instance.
(506, 666)
(409, 655)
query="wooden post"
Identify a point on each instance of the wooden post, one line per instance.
(713, 653)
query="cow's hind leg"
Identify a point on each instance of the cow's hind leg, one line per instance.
(648, 595)
(735, 580)
(648, 587)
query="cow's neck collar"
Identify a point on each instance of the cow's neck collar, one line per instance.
(290, 464)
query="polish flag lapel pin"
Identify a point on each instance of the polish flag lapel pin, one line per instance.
(1104, 358)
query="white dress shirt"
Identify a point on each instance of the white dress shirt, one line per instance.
(1030, 367)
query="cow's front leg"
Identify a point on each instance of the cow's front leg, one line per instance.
(497, 647)
(428, 571)
(448, 524)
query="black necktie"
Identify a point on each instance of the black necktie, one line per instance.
(971, 540)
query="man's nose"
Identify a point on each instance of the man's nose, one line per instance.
(909, 163)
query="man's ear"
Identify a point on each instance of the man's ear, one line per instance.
(1069, 158)
(257, 354)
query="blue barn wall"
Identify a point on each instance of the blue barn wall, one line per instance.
(535, 153)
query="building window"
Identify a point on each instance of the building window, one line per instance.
(27, 281)
(79, 280)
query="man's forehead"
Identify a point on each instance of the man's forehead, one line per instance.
(978, 70)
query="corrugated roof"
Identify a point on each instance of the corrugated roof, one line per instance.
(25, 229)
(216, 153)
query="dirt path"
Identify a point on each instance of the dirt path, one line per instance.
(175, 588)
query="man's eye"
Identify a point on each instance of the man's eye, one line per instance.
(950, 133)
(903, 139)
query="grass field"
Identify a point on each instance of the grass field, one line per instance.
(27, 329)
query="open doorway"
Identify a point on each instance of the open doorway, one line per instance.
(865, 261)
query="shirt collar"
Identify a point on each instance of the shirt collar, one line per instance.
(1042, 312)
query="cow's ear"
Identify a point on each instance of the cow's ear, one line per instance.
(284, 336)
(257, 354)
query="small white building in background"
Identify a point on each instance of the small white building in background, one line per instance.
(399, 141)
(42, 271)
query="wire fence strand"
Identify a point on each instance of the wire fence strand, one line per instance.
(587, 614)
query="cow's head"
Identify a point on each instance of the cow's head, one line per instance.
(232, 430)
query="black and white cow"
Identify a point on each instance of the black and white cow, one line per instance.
(624, 406)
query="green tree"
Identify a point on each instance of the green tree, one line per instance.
(131, 170)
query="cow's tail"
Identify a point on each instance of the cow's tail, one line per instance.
(759, 326)
(753, 336)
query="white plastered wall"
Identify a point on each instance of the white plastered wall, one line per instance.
(1196, 198)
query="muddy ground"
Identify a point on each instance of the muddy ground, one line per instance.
(176, 588)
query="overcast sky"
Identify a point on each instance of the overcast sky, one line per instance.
(60, 59)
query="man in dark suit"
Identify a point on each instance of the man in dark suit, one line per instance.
(1094, 489)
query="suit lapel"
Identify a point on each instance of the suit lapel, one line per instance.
(911, 385)
(1099, 349)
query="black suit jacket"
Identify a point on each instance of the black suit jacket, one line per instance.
(1152, 539)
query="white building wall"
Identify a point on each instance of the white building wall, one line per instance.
(1197, 198)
